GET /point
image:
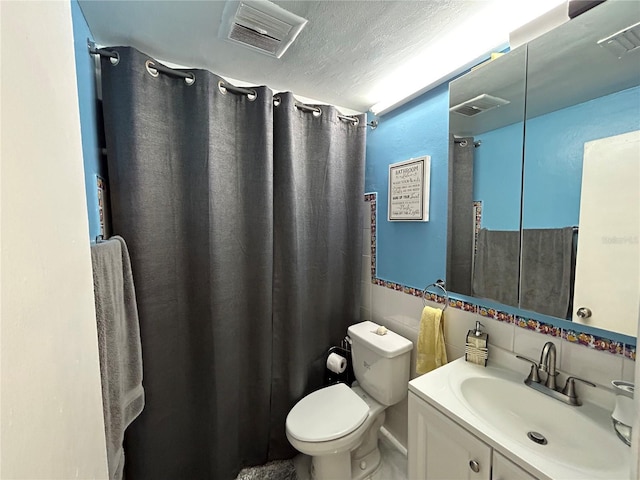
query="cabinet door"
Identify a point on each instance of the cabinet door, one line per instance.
(607, 270)
(439, 449)
(504, 469)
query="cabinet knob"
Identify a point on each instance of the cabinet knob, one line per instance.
(583, 312)
(474, 465)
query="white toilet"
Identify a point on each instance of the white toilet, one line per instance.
(337, 426)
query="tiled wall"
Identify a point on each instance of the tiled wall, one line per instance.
(399, 308)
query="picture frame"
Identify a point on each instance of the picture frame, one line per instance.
(408, 199)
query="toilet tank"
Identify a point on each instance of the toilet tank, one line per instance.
(380, 362)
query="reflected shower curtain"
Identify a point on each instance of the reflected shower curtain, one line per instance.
(245, 252)
(460, 227)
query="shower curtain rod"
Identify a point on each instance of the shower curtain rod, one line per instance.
(317, 110)
(151, 66)
(347, 118)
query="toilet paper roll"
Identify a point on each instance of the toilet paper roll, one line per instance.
(336, 363)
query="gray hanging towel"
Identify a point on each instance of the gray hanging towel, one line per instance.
(118, 345)
(546, 270)
(496, 265)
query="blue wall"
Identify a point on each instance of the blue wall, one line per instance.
(87, 98)
(553, 162)
(497, 176)
(554, 151)
(412, 253)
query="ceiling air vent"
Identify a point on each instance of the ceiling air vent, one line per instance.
(623, 42)
(261, 25)
(479, 104)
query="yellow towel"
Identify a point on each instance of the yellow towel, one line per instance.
(431, 351)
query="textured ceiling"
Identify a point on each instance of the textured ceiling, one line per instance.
(345, 56)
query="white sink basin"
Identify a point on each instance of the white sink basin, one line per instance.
(495, 405)
(571, 432)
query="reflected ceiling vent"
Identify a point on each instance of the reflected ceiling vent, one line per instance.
(260, 25)
(623, 42)
(481, 103)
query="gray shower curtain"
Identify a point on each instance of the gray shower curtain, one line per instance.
(243, 224)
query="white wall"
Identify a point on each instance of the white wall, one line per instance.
(51, 403)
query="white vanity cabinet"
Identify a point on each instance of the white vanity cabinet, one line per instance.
(504, 469)
(440, 449)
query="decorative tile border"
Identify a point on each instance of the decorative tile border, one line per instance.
(459, 304)
(587, 340)
(630, 352)
(101, 185)
(538, 327)
(496, 315)
(592, 341)
(372, 199)
(477, 223)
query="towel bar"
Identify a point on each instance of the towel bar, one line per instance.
(439, 284)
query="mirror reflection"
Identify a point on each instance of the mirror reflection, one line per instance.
(487, 122)
(581, 176)
(572, 251)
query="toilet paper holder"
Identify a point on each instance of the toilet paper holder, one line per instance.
(345, 377)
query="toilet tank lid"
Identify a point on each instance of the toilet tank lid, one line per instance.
(389, 345)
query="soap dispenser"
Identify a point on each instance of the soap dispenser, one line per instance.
(477, 346)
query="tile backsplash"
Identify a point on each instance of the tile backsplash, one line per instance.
(399, 307)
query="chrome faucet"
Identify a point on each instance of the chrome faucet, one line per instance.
(548, 364)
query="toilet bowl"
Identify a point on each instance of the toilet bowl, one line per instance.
(337, 426)
(330, 424)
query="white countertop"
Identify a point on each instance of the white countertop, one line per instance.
(441, 389)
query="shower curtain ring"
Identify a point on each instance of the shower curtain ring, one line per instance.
(315, 111)
(151, 68)
(191, 79)
(115, 59)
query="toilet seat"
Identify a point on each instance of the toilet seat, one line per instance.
(326, 414)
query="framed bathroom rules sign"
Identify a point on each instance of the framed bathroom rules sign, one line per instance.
(409, 190)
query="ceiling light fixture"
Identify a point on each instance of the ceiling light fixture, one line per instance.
(470, 43)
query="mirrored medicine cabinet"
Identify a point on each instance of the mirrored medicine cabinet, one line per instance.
(544, 197)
